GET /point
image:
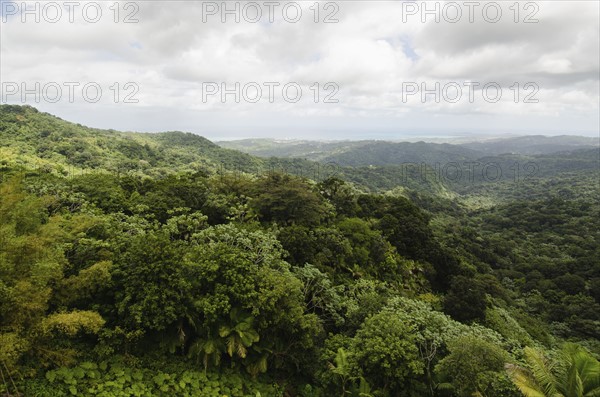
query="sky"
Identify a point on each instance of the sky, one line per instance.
(324, 70)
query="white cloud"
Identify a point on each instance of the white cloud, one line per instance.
(371, 53)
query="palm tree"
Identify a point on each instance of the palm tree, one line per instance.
(240, 334)
(207, 348)
(233, 338)
(343, 371)
(575, 373)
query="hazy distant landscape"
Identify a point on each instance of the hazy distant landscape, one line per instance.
(395, 152)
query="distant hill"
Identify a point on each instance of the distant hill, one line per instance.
(534, 144)
(33, 139)
(535, 166)
(389, 153)
(381, 153)
(310, 150)
(356, 153)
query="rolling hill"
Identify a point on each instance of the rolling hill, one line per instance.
(34, 139)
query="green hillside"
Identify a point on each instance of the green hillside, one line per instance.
(164, 265)
(364, 153)
(39, 139)
(534, 144)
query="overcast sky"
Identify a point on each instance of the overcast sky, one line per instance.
(306, 70)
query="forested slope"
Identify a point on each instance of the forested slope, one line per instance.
(161, 265)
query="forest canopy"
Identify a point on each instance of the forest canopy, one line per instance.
(161, 265)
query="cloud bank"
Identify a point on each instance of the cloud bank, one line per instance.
(329, 70)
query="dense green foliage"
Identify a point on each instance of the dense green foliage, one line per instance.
(155, 267)
(573, 372)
